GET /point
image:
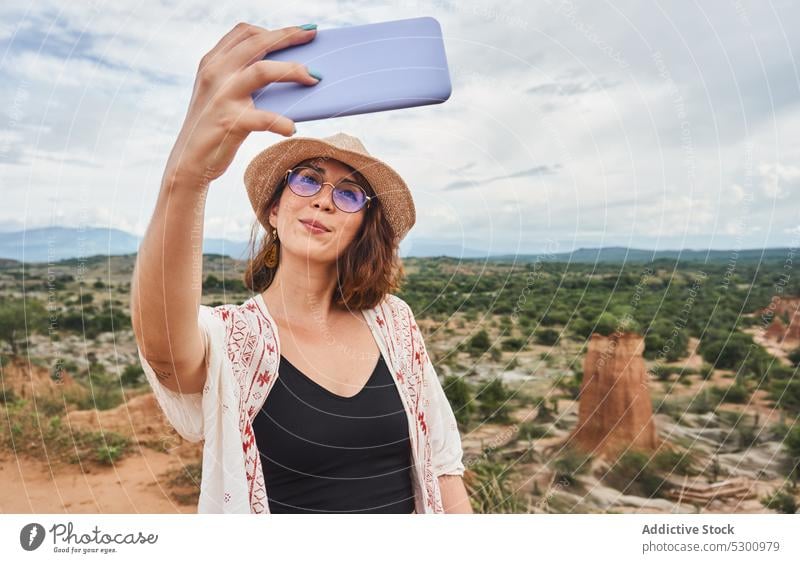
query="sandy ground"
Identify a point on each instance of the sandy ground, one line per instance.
(136, 484)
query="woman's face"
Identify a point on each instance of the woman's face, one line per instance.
(288, 214)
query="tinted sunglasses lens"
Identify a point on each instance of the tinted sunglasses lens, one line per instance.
(349, 198)
(303, 182)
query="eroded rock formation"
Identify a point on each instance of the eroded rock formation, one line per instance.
(615, 410)
(783, 308)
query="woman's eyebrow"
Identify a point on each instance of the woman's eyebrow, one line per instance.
(322, 170)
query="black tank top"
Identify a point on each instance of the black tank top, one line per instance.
(321, 452)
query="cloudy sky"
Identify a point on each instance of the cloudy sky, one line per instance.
(645, 124)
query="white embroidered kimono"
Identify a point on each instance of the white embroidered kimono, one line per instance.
(242, 354)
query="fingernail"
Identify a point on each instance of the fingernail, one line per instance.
(294, 130)
(315, 74)
(308, 26)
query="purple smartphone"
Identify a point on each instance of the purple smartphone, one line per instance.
(365, 68)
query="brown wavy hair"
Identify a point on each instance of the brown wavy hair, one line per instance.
(368, 269)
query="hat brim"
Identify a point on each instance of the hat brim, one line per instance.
(267, 169)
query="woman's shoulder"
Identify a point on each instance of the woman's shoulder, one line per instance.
(395, 303)
(398, 315)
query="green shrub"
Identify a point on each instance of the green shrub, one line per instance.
(104, 392)
(107, 454)
(791, 443)
(607, 324)
(794, 356)
(459, 394)
(529, 430)
(663, 373)
(570, 464)
(632, 474)
(670, 407)
(782, 501)
(190, 474)
(544, 413)
(744, 430)
(108, 447)
(514, 344)
(132, 375)
(706, 371)
(184, 483)
(570, 385)
(701, 403)
(490, 491)
(547, 336)
(736, 394)
(479, 343)
(726, 350)
(675, 462)
(49, 439)
(664, 342)
(7, 395)
(785, 393)
(493, 401)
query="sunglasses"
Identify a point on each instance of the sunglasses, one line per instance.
(347, 195)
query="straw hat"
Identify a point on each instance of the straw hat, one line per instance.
(265, 173)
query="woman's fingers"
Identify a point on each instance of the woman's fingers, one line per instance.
(259, 120)
(261, 73)
(237, 34)
(254, 48)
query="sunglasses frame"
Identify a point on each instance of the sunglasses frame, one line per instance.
(366, 195)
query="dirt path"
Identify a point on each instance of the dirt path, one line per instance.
(136, 484)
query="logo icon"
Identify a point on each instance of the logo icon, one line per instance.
(31, 536)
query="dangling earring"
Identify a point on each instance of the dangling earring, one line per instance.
(272, 254)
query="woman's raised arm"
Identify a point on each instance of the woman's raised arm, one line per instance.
(167, 279)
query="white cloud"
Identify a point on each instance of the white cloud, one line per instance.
(91, 115)
(779, 180)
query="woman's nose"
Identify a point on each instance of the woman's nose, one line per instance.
(324, 195)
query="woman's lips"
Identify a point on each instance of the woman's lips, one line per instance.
(313, 229)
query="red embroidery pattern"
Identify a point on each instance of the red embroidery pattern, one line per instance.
(253, 352)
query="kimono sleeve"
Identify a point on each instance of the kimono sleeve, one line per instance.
(445, 437)
(184, 411)
(446, 449)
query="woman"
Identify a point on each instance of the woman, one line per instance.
(356, 419)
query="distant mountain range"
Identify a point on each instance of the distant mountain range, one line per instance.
(619, 254)
(52, 244)
(61, 243)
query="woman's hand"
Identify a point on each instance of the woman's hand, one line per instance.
(221, 112)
